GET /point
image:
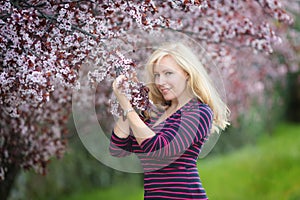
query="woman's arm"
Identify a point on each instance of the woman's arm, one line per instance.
(121, 128)
(120, 141)
(179, 133)
(140, 130)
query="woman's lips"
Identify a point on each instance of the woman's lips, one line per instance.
(164, 91)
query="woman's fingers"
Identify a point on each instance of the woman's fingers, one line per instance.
(118, 81)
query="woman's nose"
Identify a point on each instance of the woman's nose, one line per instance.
(160, 80)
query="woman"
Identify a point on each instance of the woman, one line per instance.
(169, 143)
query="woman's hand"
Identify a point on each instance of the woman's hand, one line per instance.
(140, 130)
(117, 88)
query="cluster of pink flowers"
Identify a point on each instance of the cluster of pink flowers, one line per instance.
(44, 44)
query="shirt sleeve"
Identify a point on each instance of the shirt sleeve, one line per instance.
(120, 147)
(179, 133)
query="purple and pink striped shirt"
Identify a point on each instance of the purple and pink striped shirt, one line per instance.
(169, 158)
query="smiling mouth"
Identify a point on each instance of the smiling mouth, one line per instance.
(164, 91)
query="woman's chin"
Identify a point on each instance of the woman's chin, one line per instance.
(168, 97)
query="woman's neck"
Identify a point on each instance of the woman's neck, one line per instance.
(177, 104)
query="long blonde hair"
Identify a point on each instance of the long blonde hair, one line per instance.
(199, 81)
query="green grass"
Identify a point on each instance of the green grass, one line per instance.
(268, 170)
(130, 189)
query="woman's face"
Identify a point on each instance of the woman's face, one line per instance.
(170, 79)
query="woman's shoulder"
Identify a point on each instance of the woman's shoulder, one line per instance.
(196, 109)
(195, 104)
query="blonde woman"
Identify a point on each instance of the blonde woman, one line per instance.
(169, 143)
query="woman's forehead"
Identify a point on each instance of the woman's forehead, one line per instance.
(166, 62)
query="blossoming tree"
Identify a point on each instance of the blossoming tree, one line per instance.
(44, 44)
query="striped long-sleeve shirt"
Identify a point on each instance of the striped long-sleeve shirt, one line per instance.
(169, 158)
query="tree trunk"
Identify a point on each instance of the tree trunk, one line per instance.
(7, 184)
(293, 111)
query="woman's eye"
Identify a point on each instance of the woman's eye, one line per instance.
(168, 73)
